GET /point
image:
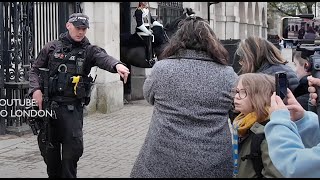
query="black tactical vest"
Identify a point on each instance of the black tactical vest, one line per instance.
(65, 64)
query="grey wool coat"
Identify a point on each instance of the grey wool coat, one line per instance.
(188, 134)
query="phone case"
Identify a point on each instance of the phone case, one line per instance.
(281, 84)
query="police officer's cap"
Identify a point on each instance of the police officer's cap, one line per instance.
(79, 20)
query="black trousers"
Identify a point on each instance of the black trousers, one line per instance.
(67, 142)
(149, 49)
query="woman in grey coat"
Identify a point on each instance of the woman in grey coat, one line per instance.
(190, 88)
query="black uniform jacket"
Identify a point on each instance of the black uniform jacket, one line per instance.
(95, 56)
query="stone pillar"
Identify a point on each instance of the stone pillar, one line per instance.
(232, 20)
(220, 15)
(232, 27)
(257, 30)
(243, 30)
(227, 21)
(138, 75)
(264, 30)
(212, 20)
(250, 30)
(107, 94)
(220, 27)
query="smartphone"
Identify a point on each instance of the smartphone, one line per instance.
(294, 28)
(281, 84)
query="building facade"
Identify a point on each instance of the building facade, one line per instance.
(234, 20)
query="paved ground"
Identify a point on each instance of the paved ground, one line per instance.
(111, 144)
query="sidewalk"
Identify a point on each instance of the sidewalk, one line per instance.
(111, 144)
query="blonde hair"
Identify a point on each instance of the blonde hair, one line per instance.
(255, 51)
(259, 88)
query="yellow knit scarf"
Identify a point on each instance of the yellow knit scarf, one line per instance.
(244, 123)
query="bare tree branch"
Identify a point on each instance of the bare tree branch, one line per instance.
(280, 10)
(299, 8)
(309, 7)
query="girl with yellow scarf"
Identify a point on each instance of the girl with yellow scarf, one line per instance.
(252, 100)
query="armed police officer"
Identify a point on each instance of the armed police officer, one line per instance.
(68, 62)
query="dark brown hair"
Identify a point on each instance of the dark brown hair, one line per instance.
(195, 33)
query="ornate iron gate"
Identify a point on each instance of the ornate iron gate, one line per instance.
(168, 11)
(24, 28)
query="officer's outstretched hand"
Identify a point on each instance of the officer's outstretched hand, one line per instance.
(37, 95)
(313, 82)
(123, 71)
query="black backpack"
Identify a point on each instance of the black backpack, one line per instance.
(255, 151)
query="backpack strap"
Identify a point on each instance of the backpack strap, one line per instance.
(255, 154)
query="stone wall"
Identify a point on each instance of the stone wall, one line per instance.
(107, 94)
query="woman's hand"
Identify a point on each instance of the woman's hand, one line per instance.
(296, 110)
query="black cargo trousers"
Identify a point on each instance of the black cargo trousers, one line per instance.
(148, 45)
(66, 133)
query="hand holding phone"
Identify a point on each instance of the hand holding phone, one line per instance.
(296, 110)
(281, 84)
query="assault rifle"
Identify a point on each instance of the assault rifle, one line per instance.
(35, 123)
(44, 73)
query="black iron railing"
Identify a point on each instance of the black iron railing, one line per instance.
(24, 29)
(168, 11)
